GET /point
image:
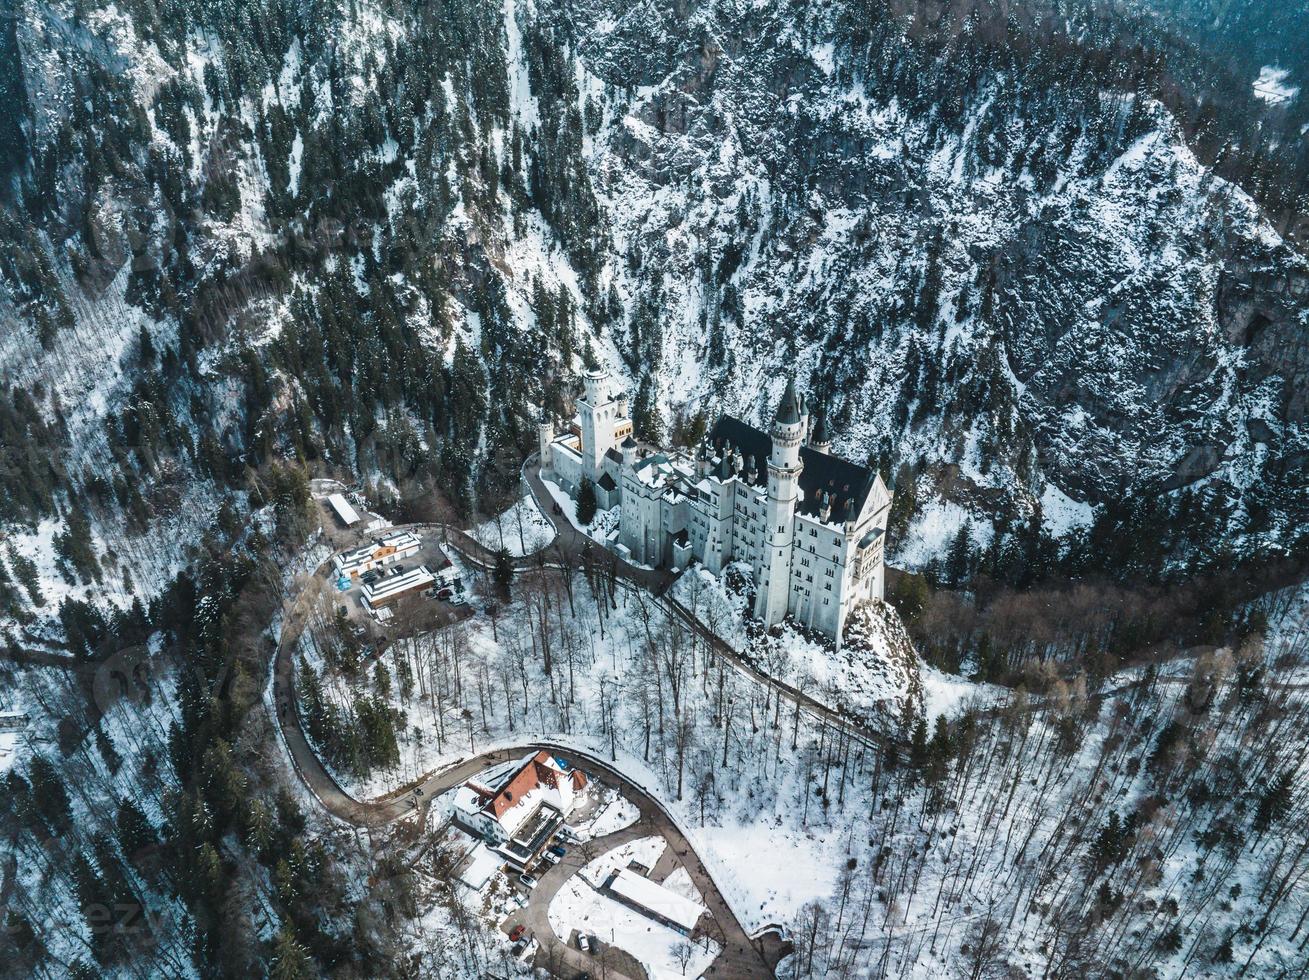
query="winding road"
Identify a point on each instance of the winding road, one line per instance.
(742, 956)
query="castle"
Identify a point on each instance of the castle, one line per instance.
(810, 525)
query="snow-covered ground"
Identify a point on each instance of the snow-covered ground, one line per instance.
(613, 812)
(679, 882)
(604, 659)
(9, 746)
(950, 694)
(874, 676)
(604, 527)
(1271, 85)
(930, 533)
(579, 906)
(582, 906)
(644, 851)
(521, 530)
(781, 808)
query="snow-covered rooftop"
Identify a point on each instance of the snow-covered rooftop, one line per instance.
(668, 905)
(392, 585)
(343, 509)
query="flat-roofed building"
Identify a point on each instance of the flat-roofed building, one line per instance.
(344, 512)
(660, 903)
(390, 588)
(378, 553)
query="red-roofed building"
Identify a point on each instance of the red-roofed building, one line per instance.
(518, 807)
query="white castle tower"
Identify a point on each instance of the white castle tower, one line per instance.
(545, 432)
(784, 468)
(596, 412)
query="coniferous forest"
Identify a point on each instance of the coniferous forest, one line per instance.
(1043, 265)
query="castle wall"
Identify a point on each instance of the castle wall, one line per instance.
(566, 466)
(823, 570)
(819, 574)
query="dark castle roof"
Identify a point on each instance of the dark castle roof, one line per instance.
(788, 410)
(819, 434)
(823, 473)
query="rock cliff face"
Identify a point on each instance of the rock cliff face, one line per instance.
(381, 236)
(1043, 288)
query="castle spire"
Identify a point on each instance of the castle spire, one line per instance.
(788, 410)
(820, 438)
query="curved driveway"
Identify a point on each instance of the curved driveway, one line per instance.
(740, 958)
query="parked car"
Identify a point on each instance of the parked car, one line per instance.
(369, 577)
(558, 850)
(517, 933)
(445, 593)
(584, 942)
(550, 857)
(527, 881)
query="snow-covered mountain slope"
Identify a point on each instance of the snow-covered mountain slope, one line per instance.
(377, 237)
(1047, 290)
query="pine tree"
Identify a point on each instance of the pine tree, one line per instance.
(503, 573)
(26, 572)
(48, 794)
(586, 502)
(382, 679)
(259, 830)
(290, 960)
(146, 348)
(74, 545)
(135, 834)
(1274, 801)
(1110, 844)
(105, 746)
(918, 744)
(938, 751)
(956, 562)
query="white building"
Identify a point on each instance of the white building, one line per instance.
(386, 550)
(810, 525)
(591, 448)
(518, 807)
(656, 901)
(389, 589)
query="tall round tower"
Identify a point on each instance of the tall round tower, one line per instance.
(784, 469)
(545, 431)
(596, 417)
